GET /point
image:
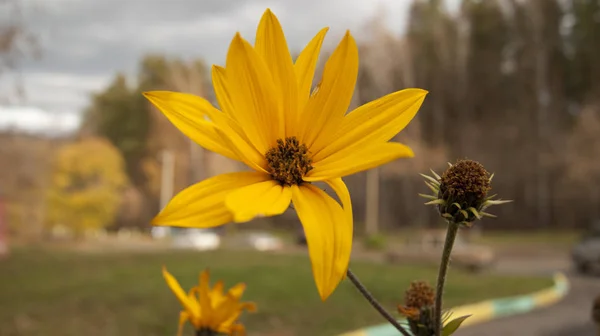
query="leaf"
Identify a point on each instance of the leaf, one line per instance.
(453, 325)
(436, 201)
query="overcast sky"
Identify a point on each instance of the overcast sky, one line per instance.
(85, 42)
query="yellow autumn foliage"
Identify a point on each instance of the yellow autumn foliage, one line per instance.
(86, 185)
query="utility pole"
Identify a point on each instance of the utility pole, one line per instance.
(167, 159)
(3, 228)
(372, 202)
(543, 98)
(189, 78)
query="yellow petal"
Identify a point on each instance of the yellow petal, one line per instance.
(339, 187)
(377, 121)
(203, 292)
(227, 310)
(237, 291)
(249, 306)
(272, 47)
(218, 288)
(187, 113)
(328, 234)
(221, 91)
(179, 293)
(342, 164)
(241, 145)
(202, 205)
(267, 198)
(183, 317)
(253, 94)
(305, 66)
(327, 107)
(238, 330)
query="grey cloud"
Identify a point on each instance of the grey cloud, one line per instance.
(86, 41)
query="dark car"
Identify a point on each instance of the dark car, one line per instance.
(301, 237)
(586, 253)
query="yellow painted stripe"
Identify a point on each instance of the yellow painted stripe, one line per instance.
(355, 333)
(479, 312)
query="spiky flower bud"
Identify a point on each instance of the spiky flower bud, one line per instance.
(418, 308)
(461, 193)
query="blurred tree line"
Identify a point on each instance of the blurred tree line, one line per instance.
(141, 133)
(513, 84)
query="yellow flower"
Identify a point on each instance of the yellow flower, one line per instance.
(290, 137)
(210, 310)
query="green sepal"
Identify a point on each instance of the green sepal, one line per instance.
(435, 174)
(453, 325)
(436, 201)
(474, 212)
(432, 187)
(432, 197)
(434, 181)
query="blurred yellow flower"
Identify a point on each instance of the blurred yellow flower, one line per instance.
(290, 137)
(209, 310)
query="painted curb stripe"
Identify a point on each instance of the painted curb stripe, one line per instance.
(488, 310)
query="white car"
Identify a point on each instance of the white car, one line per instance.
(198, 239)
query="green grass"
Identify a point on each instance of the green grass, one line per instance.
(50, 293)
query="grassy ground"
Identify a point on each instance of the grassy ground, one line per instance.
(50, 293)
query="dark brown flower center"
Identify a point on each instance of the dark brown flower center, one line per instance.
(288, 161)
(466, 183)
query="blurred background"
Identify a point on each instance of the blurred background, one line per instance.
(86, 161)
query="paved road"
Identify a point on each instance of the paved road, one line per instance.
(569, 317)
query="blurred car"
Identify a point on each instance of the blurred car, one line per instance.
(586, 253)
(198, 239)
(427, 249)
(301, 237)
(256, 240)
(264, 241)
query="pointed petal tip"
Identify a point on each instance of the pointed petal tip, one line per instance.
(269, 14)
(157, 221)
(251, 307)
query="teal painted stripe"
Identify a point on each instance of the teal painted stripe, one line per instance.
(501, 307)
(511, 306)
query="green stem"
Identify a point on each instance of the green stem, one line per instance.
(363, 290)
(441, 280)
